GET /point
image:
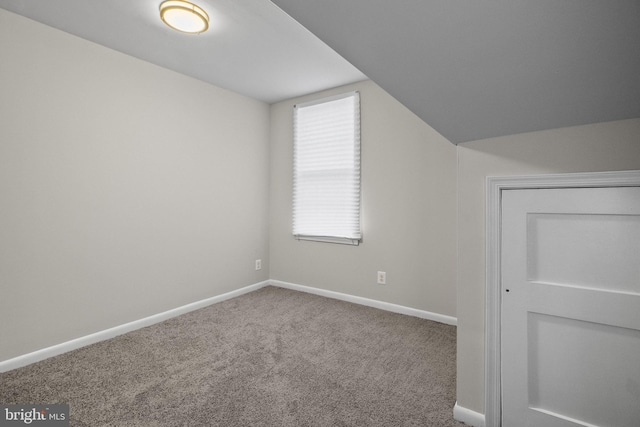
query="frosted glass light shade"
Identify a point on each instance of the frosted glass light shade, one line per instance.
(184, 16)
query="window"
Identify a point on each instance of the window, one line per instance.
(326, 169)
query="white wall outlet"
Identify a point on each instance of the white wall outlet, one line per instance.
(382, 278)
(258, 264)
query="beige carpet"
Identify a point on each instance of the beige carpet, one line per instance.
(273, 357)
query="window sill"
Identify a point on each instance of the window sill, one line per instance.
(328, 239)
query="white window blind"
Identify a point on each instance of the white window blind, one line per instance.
(326, 182)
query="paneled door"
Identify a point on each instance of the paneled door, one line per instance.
(570, 314)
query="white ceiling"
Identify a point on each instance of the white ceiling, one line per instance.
(252, 47)
(470, 69)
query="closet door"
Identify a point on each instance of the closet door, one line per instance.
(570, 314)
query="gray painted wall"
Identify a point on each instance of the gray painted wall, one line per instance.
(599, 147)
(125, 189)
(112, 210)
(408, 206)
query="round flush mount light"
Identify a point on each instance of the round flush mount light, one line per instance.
(184, 16)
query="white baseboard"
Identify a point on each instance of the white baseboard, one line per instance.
(468, 416)
(55, 350)
(449, 320)
(45, 353)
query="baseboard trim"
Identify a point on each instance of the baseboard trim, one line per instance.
(468, 416)
(395, 308)
(55, 350)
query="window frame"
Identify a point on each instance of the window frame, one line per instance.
(356, 237)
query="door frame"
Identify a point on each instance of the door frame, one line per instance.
(494, 188)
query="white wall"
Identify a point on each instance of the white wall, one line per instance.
(125, 189)
(408, 210)
(599, 147)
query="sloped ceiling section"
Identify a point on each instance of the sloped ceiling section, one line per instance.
(252, 47)
(488, 68)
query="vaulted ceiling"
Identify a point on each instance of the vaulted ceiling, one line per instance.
(470, 69)
(487, 68)
(252, 47)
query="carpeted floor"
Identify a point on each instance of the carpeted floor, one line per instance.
(273, 357)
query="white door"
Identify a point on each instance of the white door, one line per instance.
(570, 315)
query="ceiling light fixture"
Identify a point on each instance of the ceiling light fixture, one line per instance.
(184, 16)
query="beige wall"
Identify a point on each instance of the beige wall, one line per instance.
(599, 147)
(408, 210)
(125, 189)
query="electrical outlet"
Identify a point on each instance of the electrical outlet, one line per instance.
(382, 278)
(258, 264)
